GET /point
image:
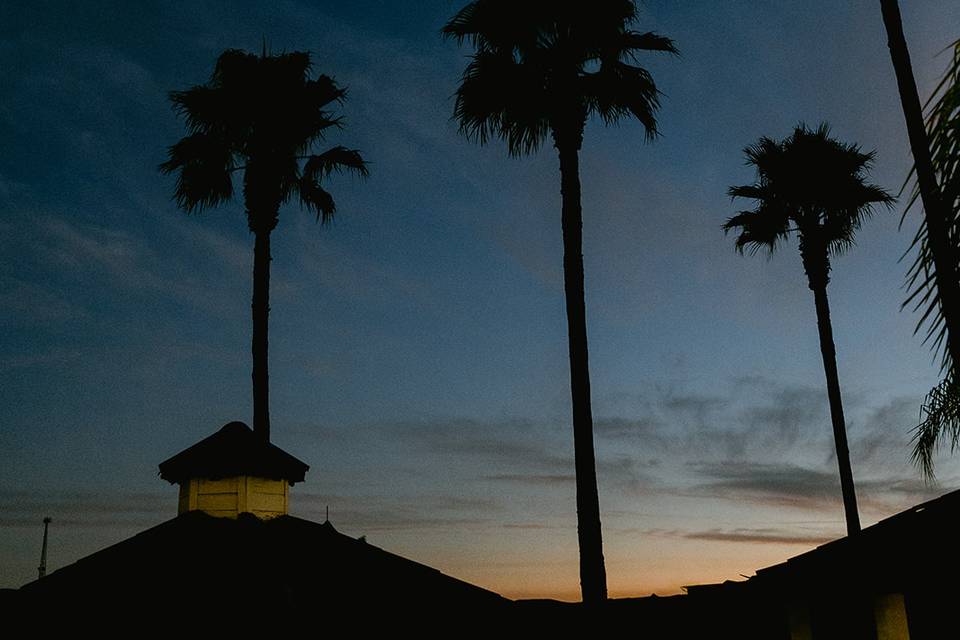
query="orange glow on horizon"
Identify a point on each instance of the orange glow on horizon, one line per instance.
(662, 569)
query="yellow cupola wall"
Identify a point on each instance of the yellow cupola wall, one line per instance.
(234, 471)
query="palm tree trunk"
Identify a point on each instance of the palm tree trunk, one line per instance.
(593, 575)
(935, 210)
(829, 353)
(261, 312)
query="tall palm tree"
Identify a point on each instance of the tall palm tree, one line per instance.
(259, 115)
(934, 276)
(543, 68)
(813, 185)
(940, 412)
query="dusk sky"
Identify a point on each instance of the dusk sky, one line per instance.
(418, 356)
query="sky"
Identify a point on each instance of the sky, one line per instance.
(418, 343)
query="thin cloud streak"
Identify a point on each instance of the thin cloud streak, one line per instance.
(759, 536)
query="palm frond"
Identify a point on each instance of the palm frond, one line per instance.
(204, 164)
(205, 108)
(939, 424)
(849, 204)
(758, 191)
(758, 229)
(618, 90)
(943, 132)
(631, 43)
(317, 199)
(335, 160)
(234, 67)
(499, 97)
(501, 25)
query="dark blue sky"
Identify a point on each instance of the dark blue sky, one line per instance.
(418, 344)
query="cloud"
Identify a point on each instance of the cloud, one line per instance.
(564, 479)
(85, 509)
(11, 188)
(643, 427)
(400, 513)
(772, 484)
(35, 303)
(786, 414)
(55, 357)
(78, 253)
(522, 444)
(528, 525)
(885, 430)
(788, 485)
(83, 247)
(759, 536)
(525, 452)
(757, 416)
(330, 264)
(696, 407)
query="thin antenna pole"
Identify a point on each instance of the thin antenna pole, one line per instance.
(42, 569)
(328, 513)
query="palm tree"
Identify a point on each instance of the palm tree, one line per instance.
(813, 185)
(259, 115)
(934, 276)
(940, 411)
(543, 68)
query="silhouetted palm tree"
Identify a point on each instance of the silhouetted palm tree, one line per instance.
(940, 412)
(542, 68)
(813, 185)
(259, 115)
(934, 276)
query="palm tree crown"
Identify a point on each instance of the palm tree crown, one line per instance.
(813, 185)
(541, 67)
(259, 115)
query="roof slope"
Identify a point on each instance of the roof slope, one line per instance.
(234, 450)
(883, 555)
(287, 566)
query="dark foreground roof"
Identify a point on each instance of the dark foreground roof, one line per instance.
(837, 584)
(882, 557)
(205, 569)
(232, 451)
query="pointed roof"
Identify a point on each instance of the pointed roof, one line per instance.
(200, 567)
(234, 450)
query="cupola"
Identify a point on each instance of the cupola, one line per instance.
(234, 471)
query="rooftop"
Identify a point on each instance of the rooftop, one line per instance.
(234, 450)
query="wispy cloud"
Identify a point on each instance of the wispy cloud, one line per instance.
(528, 525)
(772, 484)
(36, 303)
(786, 485)
(522, 444)
(562, 479)
(92, 255)
(399, 513)
(85, 509)
(759, 536)
(57, 357)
